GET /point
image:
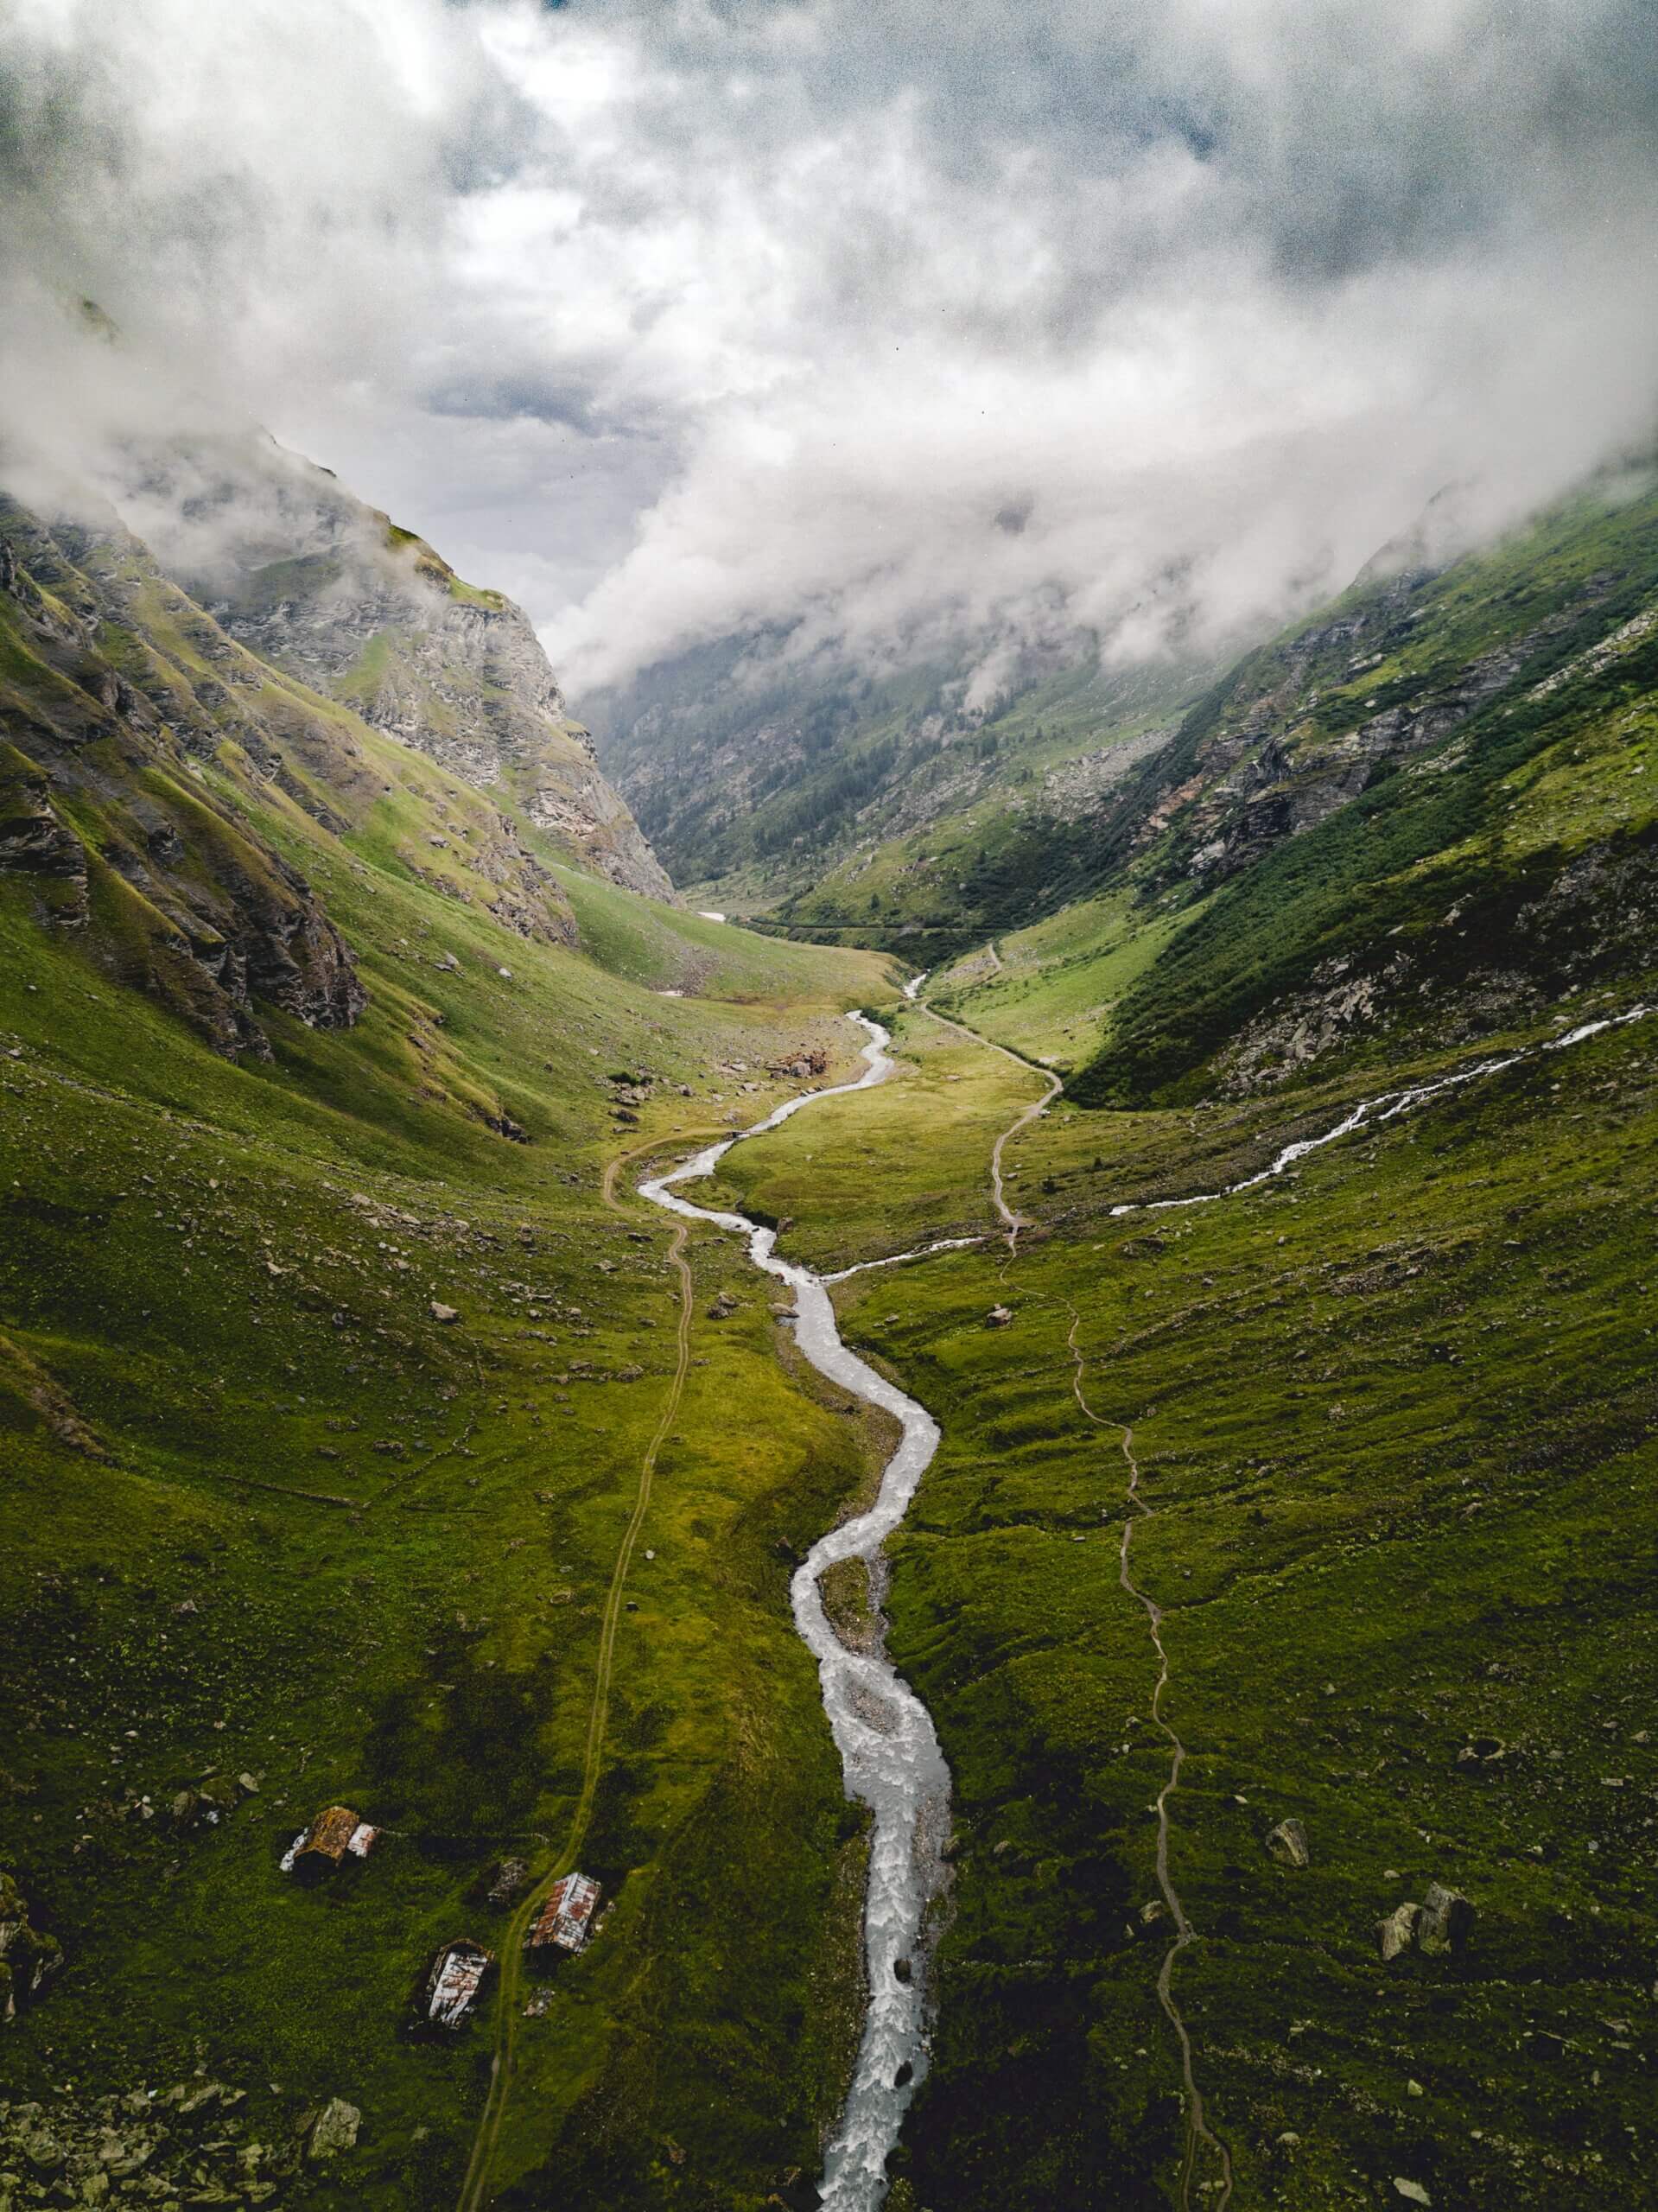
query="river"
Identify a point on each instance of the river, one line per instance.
(889, 1752)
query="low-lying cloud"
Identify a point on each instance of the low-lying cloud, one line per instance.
(879, 330)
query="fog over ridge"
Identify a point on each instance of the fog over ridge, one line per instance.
(870, 334)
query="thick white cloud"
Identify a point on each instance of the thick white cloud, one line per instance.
(877, 325)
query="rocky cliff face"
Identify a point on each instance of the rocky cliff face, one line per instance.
(147, 755)
(1277, 760)
(311, 580)
(106, 813)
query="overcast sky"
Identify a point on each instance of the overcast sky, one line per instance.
(890, 323)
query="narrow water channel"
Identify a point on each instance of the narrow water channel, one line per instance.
(889, 1752)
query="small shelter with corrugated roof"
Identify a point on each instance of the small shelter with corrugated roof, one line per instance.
(335, 1834)
(565, 1921)
(454, 1981)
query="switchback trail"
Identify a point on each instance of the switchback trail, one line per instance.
(475, 2189)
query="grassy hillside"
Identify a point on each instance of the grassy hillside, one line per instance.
(1429, 810)
(1394, 1422)
(272, 1514)
(365, 1442)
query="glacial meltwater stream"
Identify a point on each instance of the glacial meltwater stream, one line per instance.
(889, 1752)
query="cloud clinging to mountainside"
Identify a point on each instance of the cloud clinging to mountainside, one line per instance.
(875, 324)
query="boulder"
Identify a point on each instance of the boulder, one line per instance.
(1398, 1931)
(41, 2148)
(998, 1317)
(1446, 1923)
(443, 1313)
(1440, 1925)
(1288, 1843)
(333, 2130)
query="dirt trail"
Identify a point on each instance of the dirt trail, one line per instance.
(1011, 1222)
(1199, 2132)
(1199, 2135)
(475, 2189)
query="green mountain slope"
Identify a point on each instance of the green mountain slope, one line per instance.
(327, 1369)
(1391, 1427)
(335, 1356)
(1430, 811)
(337, 595)
(896, 812)
(1362, 1454)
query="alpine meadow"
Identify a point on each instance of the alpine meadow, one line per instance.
(828, 1106)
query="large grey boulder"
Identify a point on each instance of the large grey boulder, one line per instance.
(1440, 1925)
(333, 2130)
(1398, 1931)
(1446, 1923)
(1288, 1843)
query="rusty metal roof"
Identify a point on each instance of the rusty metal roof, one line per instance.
(331, 1832)
(564, 1919)
(452, 1985)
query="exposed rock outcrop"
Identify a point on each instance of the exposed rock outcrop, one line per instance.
(102, 811)
(293, 566)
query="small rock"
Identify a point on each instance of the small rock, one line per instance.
(998, 1317)
(42, 2149)
(508, 1880)
(1414, 2088)
(443, 1313)
(1288, 1843)
(1412, 2192)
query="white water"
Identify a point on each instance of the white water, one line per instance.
(889, 1753)
(1385, 1107)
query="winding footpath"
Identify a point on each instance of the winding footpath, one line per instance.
(1011, 1222)
(1199, 2132)
(475, 2189)
(1368, 1113)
